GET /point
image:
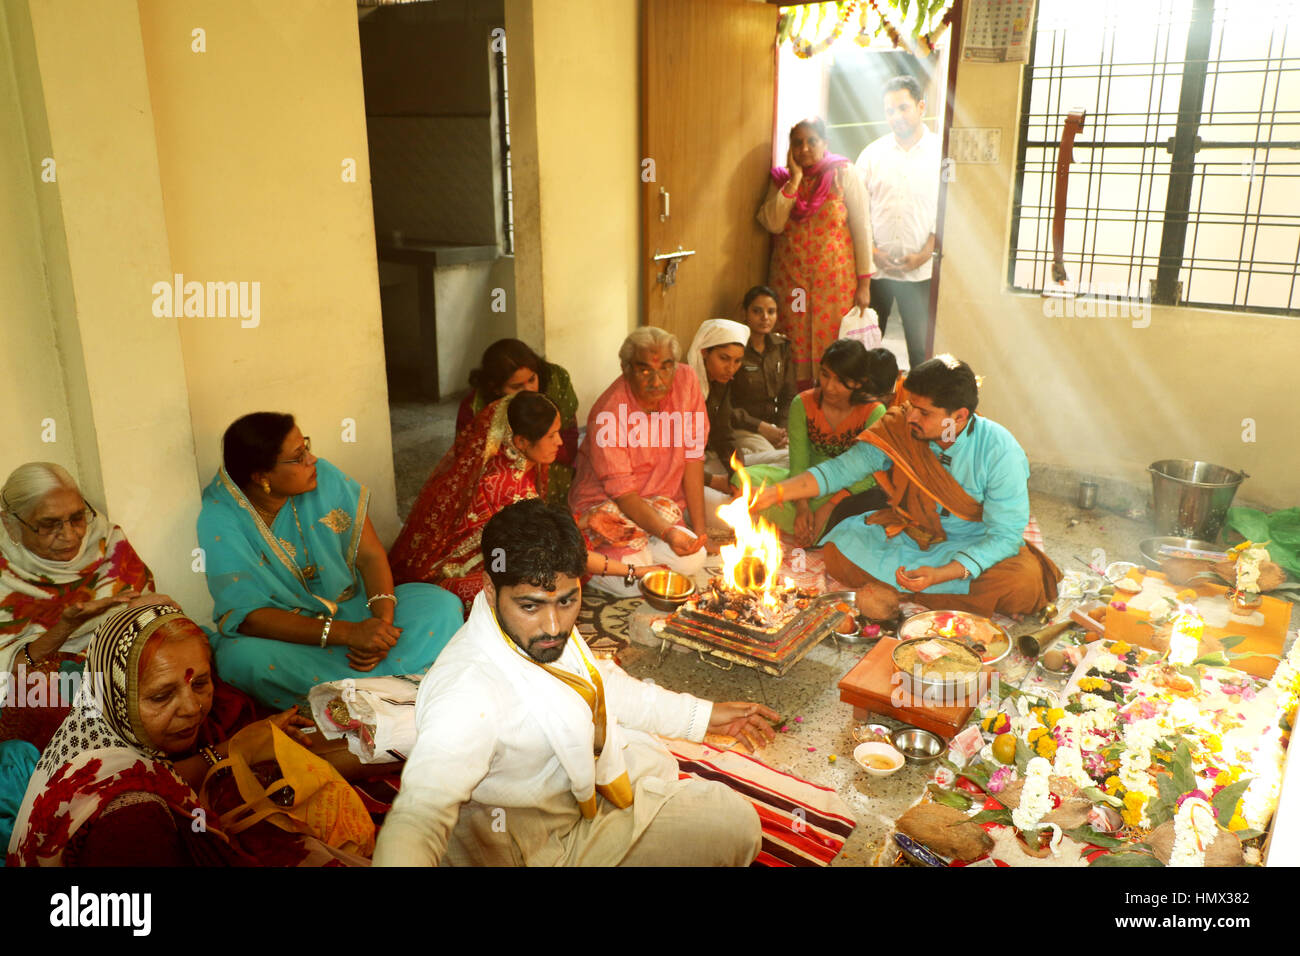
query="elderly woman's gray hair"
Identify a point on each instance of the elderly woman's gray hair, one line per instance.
(31, 482)
(648, 338)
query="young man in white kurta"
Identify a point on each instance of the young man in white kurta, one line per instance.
(503, 762)
(901, 174)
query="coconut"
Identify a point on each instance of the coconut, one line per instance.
(877, 602)
(1224, 851)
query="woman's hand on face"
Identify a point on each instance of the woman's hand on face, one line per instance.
(796, 171)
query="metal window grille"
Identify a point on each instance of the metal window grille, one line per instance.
(507, 182)
(1185, 186)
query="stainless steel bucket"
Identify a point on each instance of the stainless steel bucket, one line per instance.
(1192, 497)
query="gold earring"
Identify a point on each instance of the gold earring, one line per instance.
(266, 486)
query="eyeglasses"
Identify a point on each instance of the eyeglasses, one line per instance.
(664, 373)
(306, 452)
(50, 527)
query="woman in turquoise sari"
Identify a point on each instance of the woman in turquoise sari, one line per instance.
(300, 580)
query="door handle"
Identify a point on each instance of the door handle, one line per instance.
(663, 208)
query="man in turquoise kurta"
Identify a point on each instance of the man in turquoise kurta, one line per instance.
(953, 534)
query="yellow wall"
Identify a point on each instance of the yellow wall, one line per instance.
(574, 107)
(85, 100)
(31, 373)
(1098, 394)
(221, 165)
(252, 136)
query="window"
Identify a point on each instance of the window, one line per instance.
(1185, 185)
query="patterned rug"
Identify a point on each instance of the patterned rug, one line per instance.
(803, 824)
(605, 621)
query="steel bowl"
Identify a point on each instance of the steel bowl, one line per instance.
(921, 622)
(1150, 548)
(944, 690)
(917, 745)
(666, 590)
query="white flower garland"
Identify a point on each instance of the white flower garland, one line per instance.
(1035, 798)
(1190, 838)
(1069, 764)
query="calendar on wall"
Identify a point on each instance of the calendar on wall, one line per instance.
(997, 31)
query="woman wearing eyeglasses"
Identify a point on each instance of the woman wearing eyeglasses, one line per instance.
(63, 567)
(302, 587)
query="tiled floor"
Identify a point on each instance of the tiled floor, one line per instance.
(819, 725)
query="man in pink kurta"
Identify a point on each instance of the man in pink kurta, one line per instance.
(640, 470)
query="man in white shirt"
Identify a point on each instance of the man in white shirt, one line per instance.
(901, 174)
(530, 751)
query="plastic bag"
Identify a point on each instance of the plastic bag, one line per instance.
(375, 714)
(322, 804)
(863, 325)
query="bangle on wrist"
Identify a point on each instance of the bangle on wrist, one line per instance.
(325, 631)
(27, 654)
(381, 597)
(780, 493)
(630, 578)
(210, 756)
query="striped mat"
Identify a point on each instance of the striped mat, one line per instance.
(803, 824)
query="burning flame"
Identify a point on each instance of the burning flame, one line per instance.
(751, 564)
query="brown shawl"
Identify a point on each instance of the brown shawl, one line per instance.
(917, 485)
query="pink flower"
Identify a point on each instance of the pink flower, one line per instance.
(1200, 794)
(1001, 777)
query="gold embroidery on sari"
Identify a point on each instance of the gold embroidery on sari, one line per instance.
(337, 521)
(289, 548)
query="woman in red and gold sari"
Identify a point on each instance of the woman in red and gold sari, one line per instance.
(817, 210)
(502, 457)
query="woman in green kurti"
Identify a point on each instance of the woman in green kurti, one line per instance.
(824, 422)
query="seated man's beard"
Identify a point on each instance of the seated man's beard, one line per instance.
(543, 655)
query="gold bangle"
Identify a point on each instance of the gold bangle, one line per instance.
(780, 494)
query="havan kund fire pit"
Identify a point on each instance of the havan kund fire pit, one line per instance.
(747, 614)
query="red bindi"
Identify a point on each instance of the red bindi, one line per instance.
(189, 674)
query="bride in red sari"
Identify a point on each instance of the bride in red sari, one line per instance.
(504, 456)
(501, 458)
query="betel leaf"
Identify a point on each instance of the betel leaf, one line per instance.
(1096, 795)
(1231, 641)
(1126, 858)
(949, 798)
(1181, 768)
(1213, 659)
(1225, 801)
(977, 773)
(1000, 815)
(1086, 834)
(1248, 834)
(1024, 754)
(1193, 675)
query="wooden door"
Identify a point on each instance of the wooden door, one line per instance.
(707, 94)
